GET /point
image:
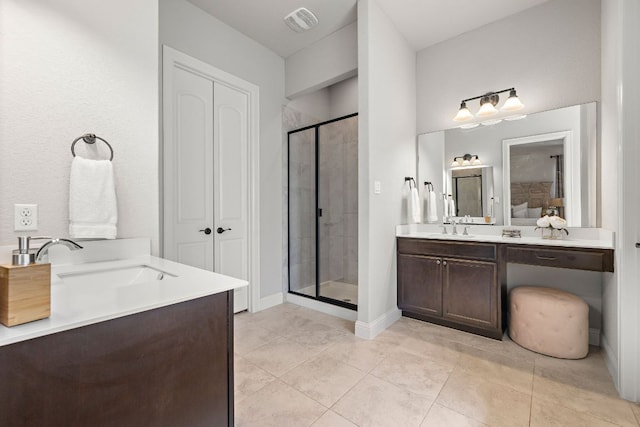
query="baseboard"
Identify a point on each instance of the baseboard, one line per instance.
(610, 360)
(370, 330)
(594, 337)
(323, 307)
(271, 301)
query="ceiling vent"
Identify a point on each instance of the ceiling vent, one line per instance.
(301, 20)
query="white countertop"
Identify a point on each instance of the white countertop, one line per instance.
(76, 305)
(598, 238)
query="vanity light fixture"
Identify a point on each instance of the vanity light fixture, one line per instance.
(488, 103)
(466, 160)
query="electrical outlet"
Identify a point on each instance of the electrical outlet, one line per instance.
(25, 217)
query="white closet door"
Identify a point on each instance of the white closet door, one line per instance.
(188, 170)
(231, 189)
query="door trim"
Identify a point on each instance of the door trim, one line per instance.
(174, 58)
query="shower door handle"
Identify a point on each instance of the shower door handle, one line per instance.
(319, 212)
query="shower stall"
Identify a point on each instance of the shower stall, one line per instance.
(323, 211)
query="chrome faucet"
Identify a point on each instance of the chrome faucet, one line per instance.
(43, 253)
(454, 230)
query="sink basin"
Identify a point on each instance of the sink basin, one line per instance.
(122, 276)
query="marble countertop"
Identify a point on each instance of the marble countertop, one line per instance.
(74, 305)
(598, 238)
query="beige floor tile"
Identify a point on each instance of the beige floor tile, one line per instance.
(277, 405)
(323, 378)
(498, 368)
(485, 401)
(589, 403)
(589, 373)
(249, 337)
(361, 354)
(374, 402)
(331, 419)
(280, 355)
(439, 416)
(635, 407)
(248, 378)
(437, 349)
(413, 373)
(549, 414)
(317, 334)
(343, 325)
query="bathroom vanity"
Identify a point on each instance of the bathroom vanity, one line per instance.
(460, 281)
(130, 342)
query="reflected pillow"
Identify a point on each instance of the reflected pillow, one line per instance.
(534, 212)
(519, 211)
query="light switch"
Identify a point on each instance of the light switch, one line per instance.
(377, 189)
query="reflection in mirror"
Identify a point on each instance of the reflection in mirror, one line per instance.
(472, 191)
(575, 199)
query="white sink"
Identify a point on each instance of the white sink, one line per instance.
(121, 276)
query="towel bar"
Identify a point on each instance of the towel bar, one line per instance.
(90, 138)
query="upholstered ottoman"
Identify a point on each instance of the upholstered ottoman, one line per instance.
(549, 321)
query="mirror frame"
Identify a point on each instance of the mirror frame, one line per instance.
(571, 164)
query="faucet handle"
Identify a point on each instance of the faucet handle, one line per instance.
(444, 229)
(465, 232)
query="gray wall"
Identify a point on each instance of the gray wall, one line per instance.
(549, 53)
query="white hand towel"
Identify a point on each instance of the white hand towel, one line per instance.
(452, 207)
(414, 206)
(445, 213)
(431, 210)
(93, 211)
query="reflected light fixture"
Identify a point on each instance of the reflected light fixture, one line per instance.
(466, 160)
(488, 103)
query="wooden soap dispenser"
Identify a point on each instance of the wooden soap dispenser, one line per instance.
(25, 287)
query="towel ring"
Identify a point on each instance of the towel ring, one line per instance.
(90, 138)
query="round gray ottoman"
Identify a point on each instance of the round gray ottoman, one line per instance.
(549, 321)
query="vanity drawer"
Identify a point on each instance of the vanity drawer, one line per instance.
(481, 251)
(579, 258)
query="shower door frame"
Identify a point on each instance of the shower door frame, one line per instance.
(317, 296)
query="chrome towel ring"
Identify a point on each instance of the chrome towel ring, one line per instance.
(90, 138)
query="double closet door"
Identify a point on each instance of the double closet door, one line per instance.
(205, 175)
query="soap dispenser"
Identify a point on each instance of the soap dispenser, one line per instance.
(25, 287)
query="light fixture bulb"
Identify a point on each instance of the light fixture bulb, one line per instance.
(512, 103)
(486, 108)
(463, 113)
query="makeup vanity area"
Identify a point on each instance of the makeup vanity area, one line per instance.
(541, 163)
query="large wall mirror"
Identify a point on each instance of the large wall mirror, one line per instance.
(543, 163)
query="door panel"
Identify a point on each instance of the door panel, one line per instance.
(420, 284)
(231, 189)
(188, 169)
(470, 292)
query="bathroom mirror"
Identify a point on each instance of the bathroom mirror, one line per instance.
(437, 150)
(472, 192)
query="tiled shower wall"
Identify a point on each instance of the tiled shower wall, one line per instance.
(338, 199)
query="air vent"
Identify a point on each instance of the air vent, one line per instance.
(301, 20)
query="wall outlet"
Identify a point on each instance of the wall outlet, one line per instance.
(377, 188)
(25, 217)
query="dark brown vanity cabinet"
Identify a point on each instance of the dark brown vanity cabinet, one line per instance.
(455, 284)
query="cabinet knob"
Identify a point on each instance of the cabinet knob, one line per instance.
(444, 262)
(438, 262)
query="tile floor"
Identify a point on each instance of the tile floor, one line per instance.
(298, 367)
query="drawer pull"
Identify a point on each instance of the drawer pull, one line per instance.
(547, 258)
(438, 262)
(444, 262)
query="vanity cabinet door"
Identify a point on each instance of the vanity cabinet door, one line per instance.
(470, 292)
(420, 284)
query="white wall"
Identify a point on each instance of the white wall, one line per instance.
(316, 105)
(327, 61)
(549, 53)
(196, 33)
(620, 177)
(67, 68)
(386, 80)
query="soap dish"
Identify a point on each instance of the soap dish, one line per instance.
(511, 232)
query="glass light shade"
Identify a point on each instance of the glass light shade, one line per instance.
(487, 109)
(475, 160)
(466, 163)
(512, 103)
(455, 163)
(463, 114)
